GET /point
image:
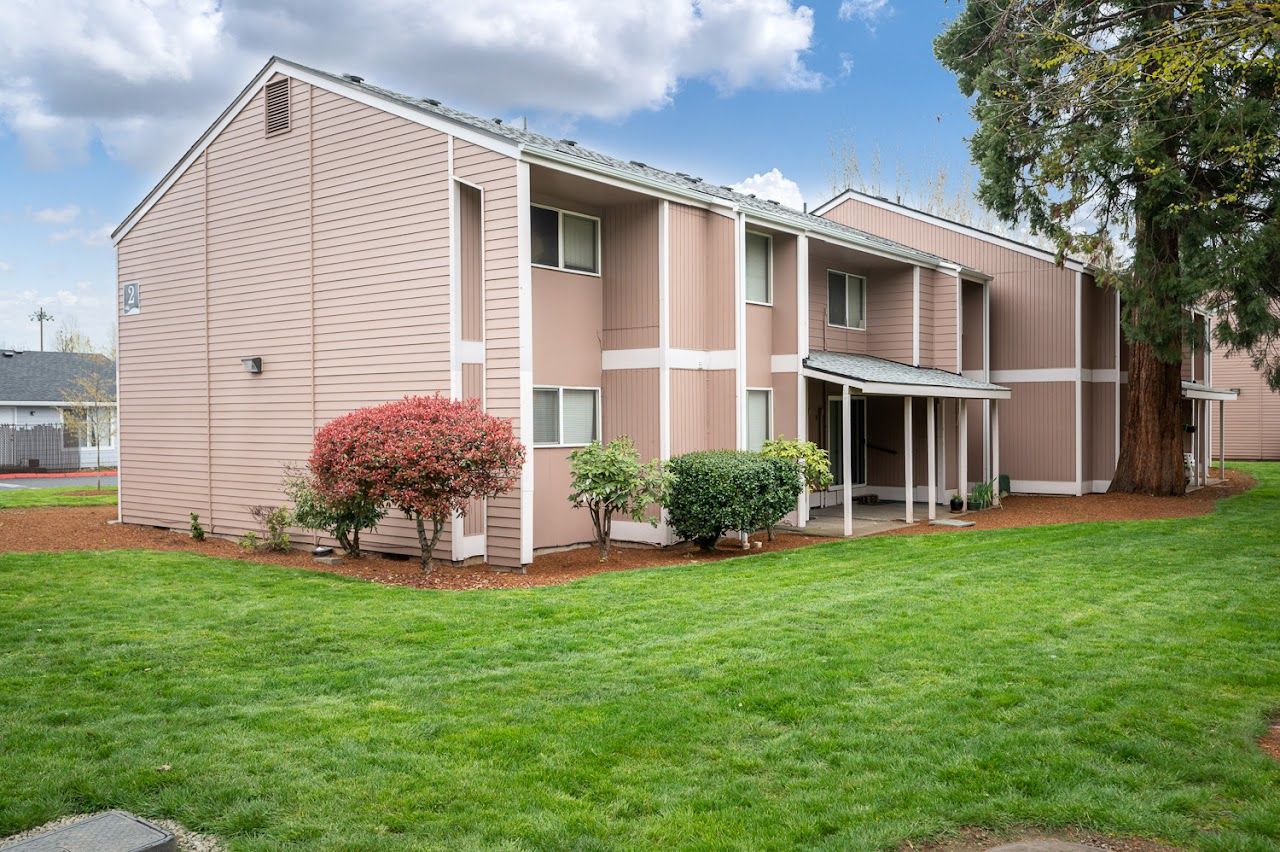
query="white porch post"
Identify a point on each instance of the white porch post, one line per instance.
(995, 451)
(1206, 450)
(846, 460)
(1199, 441)
(931, 432)
(1222, 440)
(910, 463)
(962, 442)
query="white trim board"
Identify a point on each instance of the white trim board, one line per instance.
(885, 389)
(677, 359)
(947, 224)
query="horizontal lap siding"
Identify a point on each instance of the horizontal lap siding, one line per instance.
(629, 267)
(496, 173)
(163, 396)
(259, 304)
(1253, 420)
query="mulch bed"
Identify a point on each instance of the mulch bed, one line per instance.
(980, 840)
(87, 528)
(1025, 511)
(1270, 741)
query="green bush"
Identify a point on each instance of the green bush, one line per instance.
(197, 531)
(275, 522)
(721, 490)
(609, 479)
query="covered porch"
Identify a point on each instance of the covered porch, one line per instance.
(1198, 400)
(898, 432)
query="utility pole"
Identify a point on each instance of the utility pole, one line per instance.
(42, 316)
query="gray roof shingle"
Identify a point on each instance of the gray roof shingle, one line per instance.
(49, 376)
(674, 180)
(867, 368)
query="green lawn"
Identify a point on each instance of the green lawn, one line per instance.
(31, 498)
(852, 695)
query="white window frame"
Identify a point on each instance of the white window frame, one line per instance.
(847, 276)
(560, 389)
(110, 443)
(768, 426)
(768, 272)
(560, 212)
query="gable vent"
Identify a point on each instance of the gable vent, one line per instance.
(277, 107)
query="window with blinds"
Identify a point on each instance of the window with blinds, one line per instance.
(564, 240)
(759, 268)
(566, 417)
(846, 300)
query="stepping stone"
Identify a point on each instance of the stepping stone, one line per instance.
(113, 831)
(950, 522)
(1044, 846)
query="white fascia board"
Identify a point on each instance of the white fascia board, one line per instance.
(784, 363)
(322, 81)
(947, 224)
(623, 180)
(1224, 394)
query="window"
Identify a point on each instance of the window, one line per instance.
(565, 417)
(564, 240)
(759, 268)
(846, 300)
(80, 429)
(759, 411)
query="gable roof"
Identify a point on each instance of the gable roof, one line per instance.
(495, 133)
(49, 377)
(880, 375)
(949, 224)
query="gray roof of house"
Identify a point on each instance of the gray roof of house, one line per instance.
(49, 376)
(867, 368)
(676, 181)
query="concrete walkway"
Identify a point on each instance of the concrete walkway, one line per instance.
(829, 520)
(86, 481)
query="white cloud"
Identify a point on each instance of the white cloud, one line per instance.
(144, 79)
(867, 11)
(57, 215)
(773, 186)
(93, 238)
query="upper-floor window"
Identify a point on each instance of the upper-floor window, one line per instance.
(846, 300)
(759, 268)
(565, 417)
(564, 240)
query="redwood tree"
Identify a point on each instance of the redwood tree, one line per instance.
(429, 457)
(1156, 123)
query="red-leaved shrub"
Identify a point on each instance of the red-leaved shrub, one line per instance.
(427, 456)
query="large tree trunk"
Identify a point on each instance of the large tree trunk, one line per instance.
(1151, 441)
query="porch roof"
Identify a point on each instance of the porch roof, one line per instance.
(1196, 390)
(882, 377)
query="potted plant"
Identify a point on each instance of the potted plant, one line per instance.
(957, 502)
(982, 496)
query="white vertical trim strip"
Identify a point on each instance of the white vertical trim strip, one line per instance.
(1116, 449)
(986, 377)
(740, 327)
(915, 315)
(664, 329)
(525, 296)
(995, 450)
(908, 446)
(1079, 346)
(931, 453)
(959, 323)
(455, 307)
(846, 458)
(802, 350)
(962, 443)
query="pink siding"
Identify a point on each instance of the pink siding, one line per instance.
(473, 388)
(1253, 420)
(1100, 431)
(555, 520)
(497, 175)
(938, 336)
(566, 328)
(784, 295)
(971, 331)
(470, 262)
(759, 345)
(702, 411)
(701, 279)
(630, 407)
(1038, 432)
(327, 255)
(163, 392)
(629, 264)
(784, 406)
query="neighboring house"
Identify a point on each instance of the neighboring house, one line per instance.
(328, 244)
(1252, 424)
(43, 424)
(1055, 341)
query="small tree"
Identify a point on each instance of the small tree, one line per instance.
(427, 456)
(815, 464)
(91, 405)
(609, 480)
(341, 517)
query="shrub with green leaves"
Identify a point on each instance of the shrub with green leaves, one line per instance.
(197, 530)
(716, 491)
(341, 517)
(610, 480)
(814, 462)
(275, 522)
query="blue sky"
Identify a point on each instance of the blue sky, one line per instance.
(725, 89)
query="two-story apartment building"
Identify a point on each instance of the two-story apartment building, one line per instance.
(328, 244)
